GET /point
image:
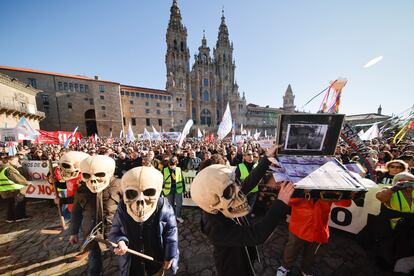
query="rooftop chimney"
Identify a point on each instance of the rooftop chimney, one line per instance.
(96, 77)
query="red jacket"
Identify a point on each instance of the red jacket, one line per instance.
(309, 218)
(71, 185)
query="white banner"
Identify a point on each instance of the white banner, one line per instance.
(188, 179)
(8, 135)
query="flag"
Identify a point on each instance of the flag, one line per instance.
(121, 134)
(199, 134)
(209, 138)
(225, 125)
(12, 149)
(96, 137)
(265, 133)
(249, 134)
(130, 136)
(371, 133)
(67, 142)
(24, 128)
(156, 136)
(361, 132)
(146, 135)
(241, 129)
(110, 134)
(185, 132)
(256, 135)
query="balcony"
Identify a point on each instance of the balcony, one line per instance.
(12, 107)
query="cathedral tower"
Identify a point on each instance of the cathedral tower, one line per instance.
(288, 100)
(178, 68)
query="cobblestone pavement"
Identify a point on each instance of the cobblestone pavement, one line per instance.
(25, 251)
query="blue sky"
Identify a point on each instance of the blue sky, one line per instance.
(276, 43)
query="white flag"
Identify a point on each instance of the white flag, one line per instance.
(199, 134)
(361, 132)
(249, 134)
(155, 135)
(121, 134)
(371, 133)
(185, 132)
(225, 125)
(130, 136)
(25, 129)
(146, 135)
(241, 129)
(265, 133)
(256, 135)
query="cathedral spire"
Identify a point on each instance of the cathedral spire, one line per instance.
(288, 100)
(223, 36)
(175, 17)
(204, 40)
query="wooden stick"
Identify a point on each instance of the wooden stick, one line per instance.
(52, 175)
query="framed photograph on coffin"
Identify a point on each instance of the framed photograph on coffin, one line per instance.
(309, 134)
(306, 157)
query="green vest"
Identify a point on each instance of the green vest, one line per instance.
(167, 181)
(7, 184)
(399, 203)
(245, 173)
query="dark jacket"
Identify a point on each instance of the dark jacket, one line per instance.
(167, 232)
(121, 166)
(230, 240)
(84, 208)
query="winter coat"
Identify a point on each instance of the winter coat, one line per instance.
(231, 240)
(309, 218)
(84, 208)
(167, 232)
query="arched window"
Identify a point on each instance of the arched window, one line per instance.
(224, 57)
(193, 95)
(205, 117)
(218, 117)
(182, 46)
(175, 44)
(206, 96)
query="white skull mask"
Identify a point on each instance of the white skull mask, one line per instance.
(141, 188)
(69, 164)
(214, 189)
(97, 171)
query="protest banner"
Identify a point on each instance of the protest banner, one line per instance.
(39, 186)
(188, 179)
(56, 137)
(9, 135)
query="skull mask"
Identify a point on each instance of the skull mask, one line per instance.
(69, 164)
(141, 187)
(214, 189)
(97, 171)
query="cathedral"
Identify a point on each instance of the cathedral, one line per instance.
(201, 91)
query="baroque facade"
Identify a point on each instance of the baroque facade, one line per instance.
(199, 92)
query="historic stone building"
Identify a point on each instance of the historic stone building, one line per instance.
(70, 100)
(17, 100)
(200, 92)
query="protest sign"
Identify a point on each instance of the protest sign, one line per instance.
(8, 135)
(266, 144)
(188, 179)
(39, 186)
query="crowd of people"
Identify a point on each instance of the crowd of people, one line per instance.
(393, 166)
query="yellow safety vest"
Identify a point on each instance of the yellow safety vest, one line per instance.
(244, 172)
(167, 181)
(400, 204)
(7, 184)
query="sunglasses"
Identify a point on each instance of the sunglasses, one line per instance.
(396, 167)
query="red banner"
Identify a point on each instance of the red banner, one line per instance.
(56, 137)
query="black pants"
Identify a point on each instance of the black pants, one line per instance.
(16, 207)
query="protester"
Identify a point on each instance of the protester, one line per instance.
(11, 185)
(242, 171)
(392, 168)
(173, 186)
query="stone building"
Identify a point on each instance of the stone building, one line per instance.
(146, 107)
(364, 121)
(70, 100)
(18, 99)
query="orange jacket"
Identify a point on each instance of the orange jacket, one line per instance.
(309, 218)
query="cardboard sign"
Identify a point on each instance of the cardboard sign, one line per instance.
(40, 189)
(188, 179)
(266, 144)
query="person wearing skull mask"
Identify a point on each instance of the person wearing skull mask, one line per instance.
(225, 206)
(145, 222)
(95, 202)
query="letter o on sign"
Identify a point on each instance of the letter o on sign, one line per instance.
(341, 216)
